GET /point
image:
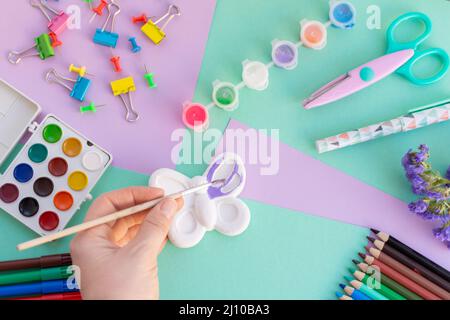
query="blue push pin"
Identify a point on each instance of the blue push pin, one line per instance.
(135, 47)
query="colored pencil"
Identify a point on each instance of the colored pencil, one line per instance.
(354, 293)
(370, 292)
(400, 278)
(410, 263)
(416, 256)
(342, 296)
(35, 288)
(55, 296)
(33, 275)
(55, 260)
(376, 285)
(407, 272)
(388, 282)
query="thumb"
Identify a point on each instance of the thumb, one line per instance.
(155, 227)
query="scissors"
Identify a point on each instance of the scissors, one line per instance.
(400, 58)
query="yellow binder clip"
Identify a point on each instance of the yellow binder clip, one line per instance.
(122, 87)
(156, 33)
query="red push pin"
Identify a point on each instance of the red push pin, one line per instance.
(142, 18)
(54, 39)
(98, 11)
(115, 60)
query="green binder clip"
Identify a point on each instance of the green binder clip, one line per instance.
(42, 49)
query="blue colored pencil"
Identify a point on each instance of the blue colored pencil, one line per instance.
(35, 288)
(354, 293)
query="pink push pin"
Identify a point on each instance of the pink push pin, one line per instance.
(58, 23)
(195, 116)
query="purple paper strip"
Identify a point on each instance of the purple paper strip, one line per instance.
(310, 186)
(143, 146)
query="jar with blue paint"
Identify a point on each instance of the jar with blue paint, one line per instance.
(342, 14)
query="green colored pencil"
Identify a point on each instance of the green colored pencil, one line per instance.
(388, 282)
(376, 285)
(371, 293)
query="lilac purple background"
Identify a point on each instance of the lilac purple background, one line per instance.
(175, 62)
(307, 185)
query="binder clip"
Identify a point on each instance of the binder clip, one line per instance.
(79, 89)
(43, 47)
(120, 88)
(58, 23)
(152, 30)
(108, 38)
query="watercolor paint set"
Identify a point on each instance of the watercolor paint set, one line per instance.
(53, 174)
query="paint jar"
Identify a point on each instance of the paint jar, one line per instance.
(313, 34)
(284, 54)
(195, 116)
(255, 75)
(342, 14)
(225, 95)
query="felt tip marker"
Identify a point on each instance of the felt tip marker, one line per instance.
(55, 260)
(35, 288)
(33, 275)
(54, 296)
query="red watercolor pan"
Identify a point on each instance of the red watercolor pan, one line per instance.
(9, 193)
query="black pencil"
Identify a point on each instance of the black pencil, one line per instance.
(410, 263)
(414, 255)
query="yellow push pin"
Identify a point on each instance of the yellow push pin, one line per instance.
(80, 70)
(156, 33)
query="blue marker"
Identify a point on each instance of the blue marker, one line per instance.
(36, 288)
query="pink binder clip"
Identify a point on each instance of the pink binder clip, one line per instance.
(58, 23)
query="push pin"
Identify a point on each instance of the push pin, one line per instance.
(115, 60)
(122, 87)
(135, 48)
(54, 40)
(43, 47)
(98, 11)
(90, 108)
(79, 89)
(89, 2)
(149, 77)
(58, 23)
(80, 70)
(108, 38)
(142, 18)
(153, 31)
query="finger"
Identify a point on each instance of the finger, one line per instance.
(117, 200)
(155, 227)
(121, 199)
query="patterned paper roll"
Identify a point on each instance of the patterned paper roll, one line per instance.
(412, 121)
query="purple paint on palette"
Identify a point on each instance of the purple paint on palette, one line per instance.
(175, 71)
(215, 192)
(284, 53)
(324, 191)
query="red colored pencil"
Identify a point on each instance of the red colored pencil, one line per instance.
(398, 277)
(54, 296)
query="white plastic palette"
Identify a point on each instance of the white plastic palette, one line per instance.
(214, 208)
(54, 172)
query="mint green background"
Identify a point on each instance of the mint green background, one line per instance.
(244, 30)
(283, 254)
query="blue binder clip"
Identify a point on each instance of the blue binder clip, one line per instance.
(104, 37)
(79, 89)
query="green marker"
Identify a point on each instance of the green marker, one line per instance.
(149, 77)
(376, 285)
(33, 275)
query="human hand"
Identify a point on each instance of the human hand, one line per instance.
(119, 260)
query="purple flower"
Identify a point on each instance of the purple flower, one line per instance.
(442, 233)
(418, 207)
(447, 175)
(434, 195)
